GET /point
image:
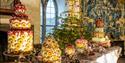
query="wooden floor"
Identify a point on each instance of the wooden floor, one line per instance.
(121, 60)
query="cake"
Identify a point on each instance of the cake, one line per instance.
(20, 41)
(20, 35)
(70, 50)
(81, 45)
(19, 9)
(20, 20)
(50, 52)
(20, 23)
(99, 34)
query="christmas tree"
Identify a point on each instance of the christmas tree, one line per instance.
(73, 25)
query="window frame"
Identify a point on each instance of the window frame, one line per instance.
(44, 20)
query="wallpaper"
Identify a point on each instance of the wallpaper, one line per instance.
(112, 11)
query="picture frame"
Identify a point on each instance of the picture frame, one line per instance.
(7, 6)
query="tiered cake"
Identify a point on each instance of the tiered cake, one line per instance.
(99, 34)
(20, 37)
(51, 52)
(20, 23)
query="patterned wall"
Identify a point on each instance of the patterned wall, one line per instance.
(110, 10)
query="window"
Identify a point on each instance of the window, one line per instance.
(48, 18)
(41, 23)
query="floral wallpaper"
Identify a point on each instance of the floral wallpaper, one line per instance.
(112, 11)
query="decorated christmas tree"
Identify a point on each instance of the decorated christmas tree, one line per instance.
(73, 24)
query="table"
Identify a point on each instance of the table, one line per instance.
(111, 56)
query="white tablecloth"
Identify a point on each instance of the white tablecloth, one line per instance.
(111, 56)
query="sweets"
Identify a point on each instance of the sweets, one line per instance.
(50, 51)
(20, 41)
(20, 36)
(19, 9)
(70, 50)
(81, 43)
(99, 34)
(20, 23)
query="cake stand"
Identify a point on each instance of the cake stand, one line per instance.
(12, 57)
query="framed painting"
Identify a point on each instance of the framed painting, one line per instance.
(7, 6)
